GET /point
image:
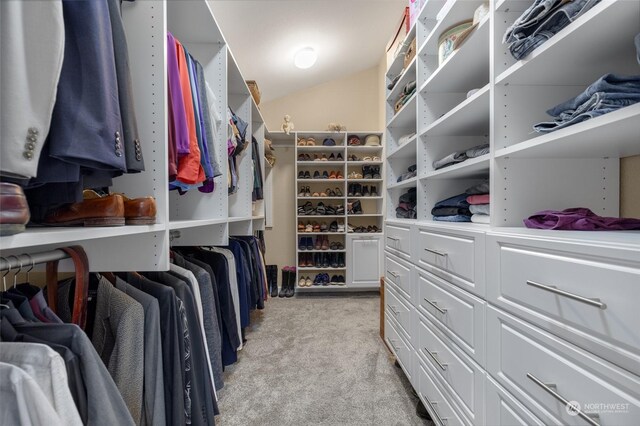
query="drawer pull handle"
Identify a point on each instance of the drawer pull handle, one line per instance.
(433, 408)
(589, 418)
(441, 310)
(393, 309)
(393, 274)
(592, 302)
(393, 343)
(442, 366)
(436, 252)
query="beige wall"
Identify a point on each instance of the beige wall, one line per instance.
(630, 187)
(352, 101)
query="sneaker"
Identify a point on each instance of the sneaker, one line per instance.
(309, 243)
(316, 175)
(307, 175)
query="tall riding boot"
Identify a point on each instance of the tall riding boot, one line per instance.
(292, 283)
(285, 282)
(272, 279)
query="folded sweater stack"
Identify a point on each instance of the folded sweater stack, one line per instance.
(478, 199)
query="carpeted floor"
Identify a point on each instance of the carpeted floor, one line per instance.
(316, 361)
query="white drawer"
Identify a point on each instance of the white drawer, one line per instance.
(520, 355)
(457, 256)
(399, 310)
(458, 312)
(457, 369)
(398, 240)
(537, 280)
(504, 409)
(398, 272)
(433, 396)
(402, 350)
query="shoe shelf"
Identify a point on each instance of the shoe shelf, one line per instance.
(351, 215)
(469, 169)
(466, 68)
(321, 148)
(364, 163)
(398, 62)
(320, 216)
(470, 117)
(365, 180)
(184, 224)
(364, 148)
(405, 116)
(591, 139)
(302, 234)
(579, 53)
(320, 268)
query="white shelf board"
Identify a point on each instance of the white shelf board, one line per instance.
(475, 167)
(404, 184)
(280, 138)
(364, 197)
(398, 62)
(368, 234)
(513, 5)
(398, 221)
(615, 135)
(406, 115)
(192, 23)
(607, 238)
(406, 150)
(467, 65)
(256, 114)
(408, 74)
(364, 148)
(301, 181)
(365, 180)
(431, 9)
(302, 234)
(235, 82)
(320, 216)
(184, 224)
(320, 269)
(364, 163)
(469, 118)
(455, 225)
(579, 53)
(321, 148)
(320, 198)
(451, 13)
(320, 163)
(365, 215)
(39, 236)
(259, 217)
(239, 219)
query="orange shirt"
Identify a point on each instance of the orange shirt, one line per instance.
(190, 170)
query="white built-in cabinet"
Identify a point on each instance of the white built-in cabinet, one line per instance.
(191, 219)
(364, 257)
(499, 324)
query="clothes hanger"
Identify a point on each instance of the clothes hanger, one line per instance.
(4, 277)
(15, 275)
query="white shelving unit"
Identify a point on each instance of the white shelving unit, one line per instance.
(191, 219)
(451, 286)
(372, 206)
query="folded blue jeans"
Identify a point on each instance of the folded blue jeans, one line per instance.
(526, 37)
(455, 201)
(454, 218)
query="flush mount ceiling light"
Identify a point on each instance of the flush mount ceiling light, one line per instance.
(305, 58)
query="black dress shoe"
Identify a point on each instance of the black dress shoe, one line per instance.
(307, 175)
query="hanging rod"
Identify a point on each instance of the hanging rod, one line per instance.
(13, 261)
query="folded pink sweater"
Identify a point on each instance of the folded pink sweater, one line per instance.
(478, 199)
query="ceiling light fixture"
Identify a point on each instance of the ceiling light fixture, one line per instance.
(305, 58)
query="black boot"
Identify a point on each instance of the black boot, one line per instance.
(285, 282)
(291, 287)
(272, 279)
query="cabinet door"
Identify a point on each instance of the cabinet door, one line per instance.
(364, 258)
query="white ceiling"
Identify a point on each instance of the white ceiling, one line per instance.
(349, 36)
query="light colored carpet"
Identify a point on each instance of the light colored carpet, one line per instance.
(316, 360)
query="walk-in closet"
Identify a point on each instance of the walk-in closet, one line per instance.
(274, 212)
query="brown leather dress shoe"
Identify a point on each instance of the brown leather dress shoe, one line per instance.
(94, 210)
(14, 210)
(139, 211)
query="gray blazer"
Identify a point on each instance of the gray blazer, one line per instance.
(118, 336)
(153, 413)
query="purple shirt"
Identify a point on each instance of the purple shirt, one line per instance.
(180, 129)
(579, 219)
